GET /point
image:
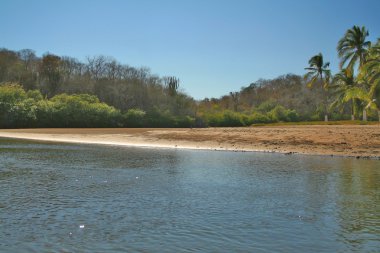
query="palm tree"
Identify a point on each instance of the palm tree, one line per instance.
(353, 47)
(343, 83)
(318, 70)
(371, 73)
(362, 94)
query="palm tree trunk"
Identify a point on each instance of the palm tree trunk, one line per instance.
(364, 115)
(326, 108)
(352, 110)
(378, 113)
(325, 99)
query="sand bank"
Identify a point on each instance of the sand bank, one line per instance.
(337, 140)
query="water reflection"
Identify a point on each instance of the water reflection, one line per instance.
(131, 199)
(358, 211)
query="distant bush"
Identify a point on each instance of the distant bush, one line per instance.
(17, 109)
(257, 118)
(29, 109)
(83, 110)
(134, 118)
(339, 116)
(266, 106)
(279, 113)
(260, 115)
(158, 118)
(224, 119)
(184, 121)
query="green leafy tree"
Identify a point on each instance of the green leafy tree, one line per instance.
(318, 70)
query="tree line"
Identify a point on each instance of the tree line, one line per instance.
(352, 93)
(131, 91)
(357, 85)
(61, 91)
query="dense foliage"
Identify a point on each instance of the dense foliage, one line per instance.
(29, 109)
(55, 91)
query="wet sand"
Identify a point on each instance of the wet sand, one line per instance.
(361, 141)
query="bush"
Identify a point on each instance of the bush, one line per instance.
(266, 106)
(35, 95)
(278, 114)
(224, 119)
(257, 118)
(11, 93)
(16, 109)
(83, 110)
(134, 118)
(158, 118)
(292, 116)
(184, 121)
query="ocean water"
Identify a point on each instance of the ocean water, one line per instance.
(93, 198)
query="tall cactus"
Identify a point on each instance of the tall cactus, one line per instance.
(172, 84)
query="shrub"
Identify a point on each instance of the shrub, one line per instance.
(278, 114)
(158, 118)
(266, 106)
(257, 118)
(184, 121)
(292, 116)
(16, 109)
(134, 118)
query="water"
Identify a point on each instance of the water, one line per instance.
(88, 198)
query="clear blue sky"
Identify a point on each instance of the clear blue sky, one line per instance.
(214, 47)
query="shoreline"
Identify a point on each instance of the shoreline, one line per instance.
(358, 141)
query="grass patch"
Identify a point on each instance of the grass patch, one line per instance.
(303, 123)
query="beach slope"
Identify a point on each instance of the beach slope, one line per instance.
(338, 140)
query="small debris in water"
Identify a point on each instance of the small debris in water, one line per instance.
(81, 226)
(137, 177)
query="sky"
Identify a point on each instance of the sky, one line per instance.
(213, 46)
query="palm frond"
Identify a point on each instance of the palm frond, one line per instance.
(312, 81)
(374, 77)
(374, 87)
(308, 75)
(345, 58)
(313, 69)
(356, 93)
(352, 62)
(353, 47)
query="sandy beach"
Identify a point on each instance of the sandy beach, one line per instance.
(361, 141)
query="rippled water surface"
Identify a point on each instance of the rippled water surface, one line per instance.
(86, 198)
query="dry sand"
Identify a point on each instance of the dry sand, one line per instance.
(341, 140)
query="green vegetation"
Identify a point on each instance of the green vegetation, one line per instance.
(311, 123)
(29, 109)
(319, 69)
(55, 91)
